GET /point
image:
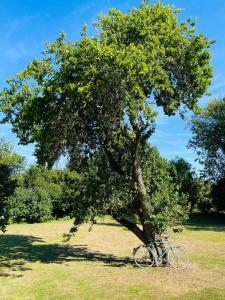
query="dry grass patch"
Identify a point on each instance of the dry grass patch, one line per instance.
(36, 264)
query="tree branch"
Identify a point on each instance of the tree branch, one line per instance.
(132, 227)
(114, 165)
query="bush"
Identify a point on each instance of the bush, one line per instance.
(30, 205)
(43, 194)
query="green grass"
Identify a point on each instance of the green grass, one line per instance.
(36, 264)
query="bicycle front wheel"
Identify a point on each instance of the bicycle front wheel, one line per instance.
(178, 258)
(143, 257)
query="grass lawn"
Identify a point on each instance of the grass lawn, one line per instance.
(36, 264)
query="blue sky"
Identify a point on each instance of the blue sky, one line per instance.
(26, 25)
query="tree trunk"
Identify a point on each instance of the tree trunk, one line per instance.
(142, 207)
(147, 233)
(141, 200)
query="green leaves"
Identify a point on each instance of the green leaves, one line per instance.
(197, 190)
(30, 205)
(98, 95)
(167, 203)
(81, 93)
(10, 164)
(208, 128)
(43, 194)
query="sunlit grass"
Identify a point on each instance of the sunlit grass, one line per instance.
(36, 264)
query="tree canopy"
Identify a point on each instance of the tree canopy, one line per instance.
(106, 192)
(197, 189)
(208, 138)
(100, 93)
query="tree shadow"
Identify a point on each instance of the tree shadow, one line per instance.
(206, 223)
(108, 224)
(17, 250)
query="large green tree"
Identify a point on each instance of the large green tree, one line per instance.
(208, 128)
(208, 139)
(196, 188)
(105, 192)
(100, 93)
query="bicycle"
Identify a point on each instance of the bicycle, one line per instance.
(146, 255)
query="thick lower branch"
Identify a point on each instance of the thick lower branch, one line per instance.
(132, 227)
(114, 165)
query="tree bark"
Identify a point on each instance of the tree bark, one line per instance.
(141, 200)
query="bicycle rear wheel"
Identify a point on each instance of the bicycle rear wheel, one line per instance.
(178, 258)
(143, 257)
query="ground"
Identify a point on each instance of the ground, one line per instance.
(36, 264)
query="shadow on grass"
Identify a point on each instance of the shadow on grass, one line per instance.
(17, 250)
(108, 224)
(207, 223)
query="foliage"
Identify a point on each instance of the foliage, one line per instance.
(43, 194)
(107, 192)
(208, 140)
(10, 163)
(79, 93)
(218, 195)
(69, 184)
(30, 205)
(99, 94)
(102, 191)
(168, 202)
(203, 195)
(195, 188)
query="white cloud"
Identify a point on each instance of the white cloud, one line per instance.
(17, 51)
(217, 86)
(12, 47)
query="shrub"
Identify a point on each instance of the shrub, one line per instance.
(30, 205)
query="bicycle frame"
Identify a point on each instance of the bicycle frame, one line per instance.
(157, 256)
